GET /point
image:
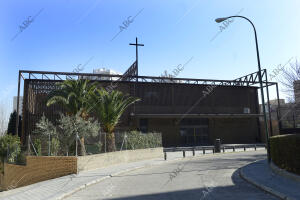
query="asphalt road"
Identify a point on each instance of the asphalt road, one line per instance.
(203, 177)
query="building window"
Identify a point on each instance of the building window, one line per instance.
(144, 125)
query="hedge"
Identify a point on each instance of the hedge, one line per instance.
(285, 152)
(138, 140)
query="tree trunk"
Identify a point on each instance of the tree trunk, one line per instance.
(111, 146)
(82, 151)
(103, 140)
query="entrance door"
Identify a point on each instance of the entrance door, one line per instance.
(194, 132)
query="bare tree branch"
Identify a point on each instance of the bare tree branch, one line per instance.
(288, 77)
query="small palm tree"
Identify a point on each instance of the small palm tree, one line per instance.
(109, 107)
(74, 95)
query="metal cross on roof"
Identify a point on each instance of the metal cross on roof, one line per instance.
(136, 44)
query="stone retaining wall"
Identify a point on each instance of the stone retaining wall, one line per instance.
(107, 159)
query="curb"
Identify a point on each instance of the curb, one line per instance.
(263, 187)
(66, 194)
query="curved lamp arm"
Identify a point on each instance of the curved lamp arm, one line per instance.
(219, 20)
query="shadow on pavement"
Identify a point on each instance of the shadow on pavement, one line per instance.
(240, 190)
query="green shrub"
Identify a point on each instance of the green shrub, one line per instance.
(9, 148)
(21, 159)
(38, 146)
(285, 152)
(93, 148)
(54, 146)
(138, 140)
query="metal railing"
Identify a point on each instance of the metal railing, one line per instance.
(211, 148)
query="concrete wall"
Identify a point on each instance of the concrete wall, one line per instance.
(107, 159)
(37, 169)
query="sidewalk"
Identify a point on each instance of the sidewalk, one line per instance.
(261, 175)
(61, 187)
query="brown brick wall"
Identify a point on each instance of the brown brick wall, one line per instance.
(37, 169)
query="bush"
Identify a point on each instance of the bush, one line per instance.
(9, 148)
(285, 152)
(21, 159)
(93, 148)
(138, 140)
(38, 146)
(54, 146)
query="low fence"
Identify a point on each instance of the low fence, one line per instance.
(211, 148)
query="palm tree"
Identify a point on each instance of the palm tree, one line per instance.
(75, 96)
(109, 107)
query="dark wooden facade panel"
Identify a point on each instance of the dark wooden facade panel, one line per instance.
(162, 98)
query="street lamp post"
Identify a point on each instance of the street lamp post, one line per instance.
(219, 20)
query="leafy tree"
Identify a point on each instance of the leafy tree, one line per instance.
(109, 107)
(11, 128)
(64, 134)
(69, 126)
(45, 128)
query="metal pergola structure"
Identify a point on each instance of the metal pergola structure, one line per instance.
(250, 80)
